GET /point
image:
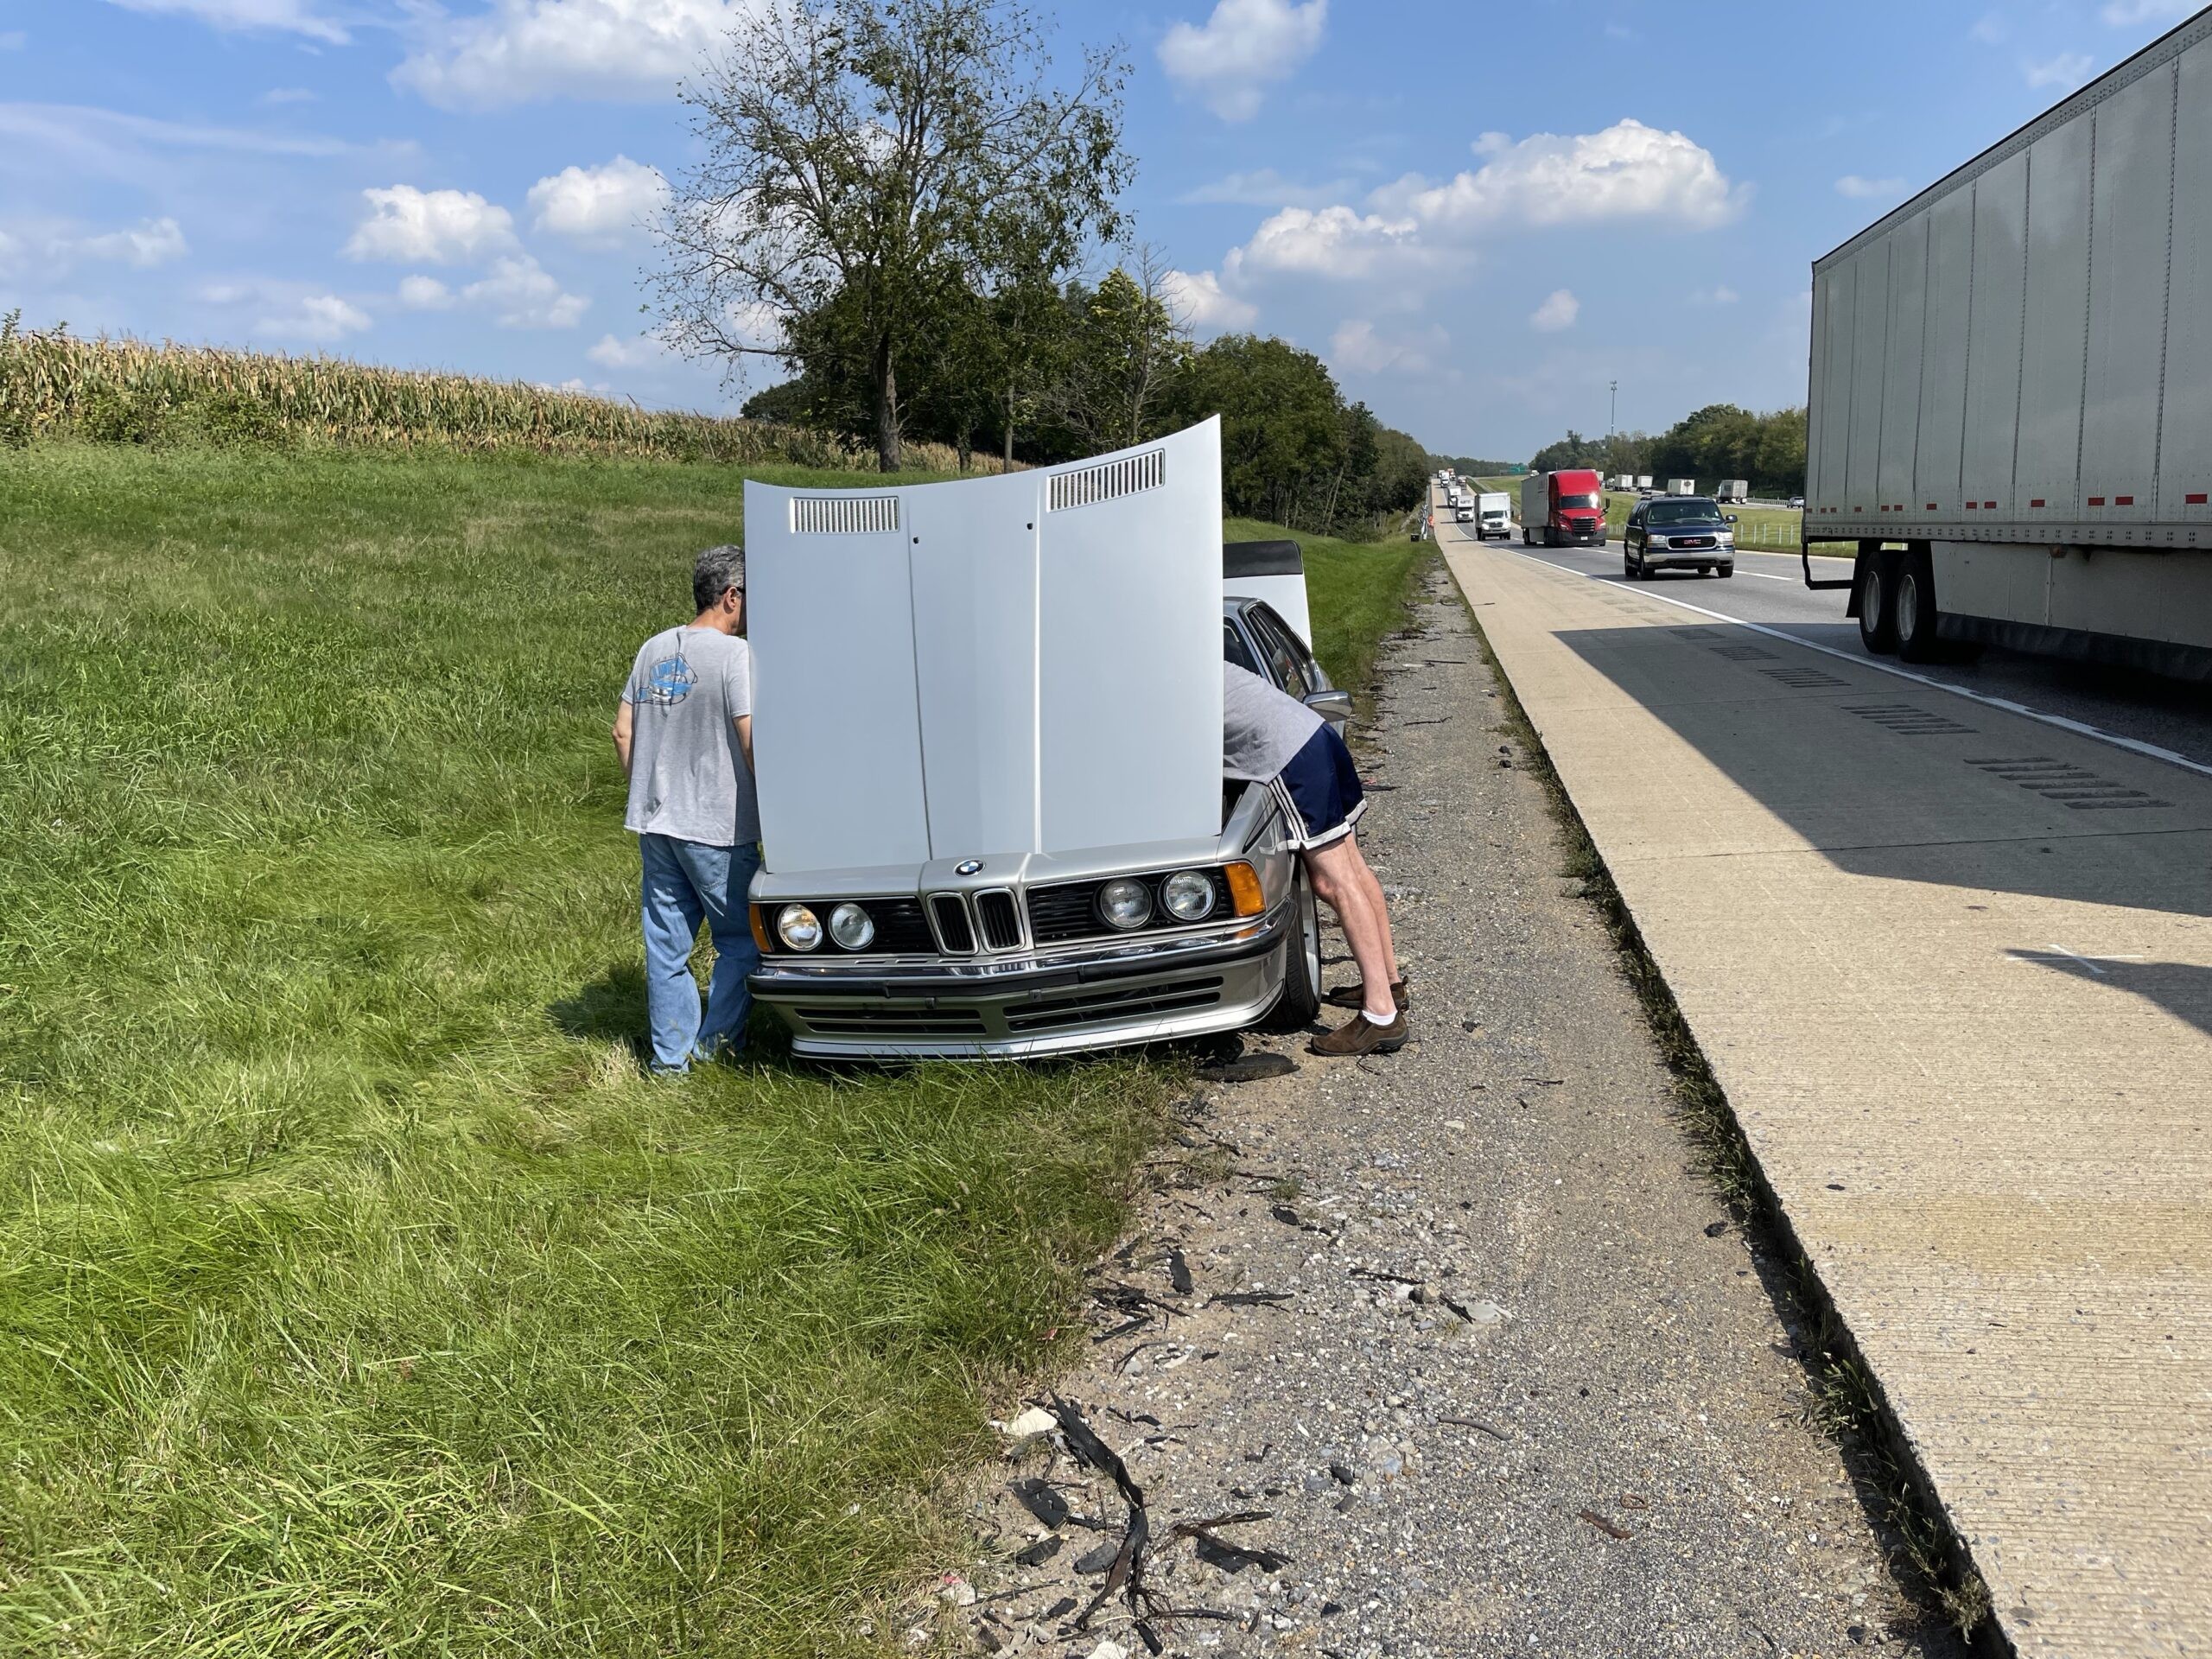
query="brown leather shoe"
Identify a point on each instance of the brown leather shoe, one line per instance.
(1354, 996)
(1360, 1035)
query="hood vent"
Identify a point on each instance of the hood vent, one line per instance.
(1109, 478)
(844, 514)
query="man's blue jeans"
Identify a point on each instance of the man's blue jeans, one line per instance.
(687, 882)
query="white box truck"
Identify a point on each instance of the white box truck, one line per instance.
(2010, 378)
(1644, 481)
(1493, 515)
(1625, 481)
(1681, 486)
(1733, 489)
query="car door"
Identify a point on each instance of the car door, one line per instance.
(1632, 533)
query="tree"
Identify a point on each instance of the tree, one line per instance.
(1128, 347)
(1281, 422)
(883, 155)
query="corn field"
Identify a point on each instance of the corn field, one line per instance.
(54, 384)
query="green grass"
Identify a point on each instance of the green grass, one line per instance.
(359, 1296)
(1358, 592)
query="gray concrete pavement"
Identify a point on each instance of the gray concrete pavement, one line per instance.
(1524, 1390)
(1768, 589)
(1953, 966)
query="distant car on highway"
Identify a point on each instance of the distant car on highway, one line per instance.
(1797, 503)
(1678, 533)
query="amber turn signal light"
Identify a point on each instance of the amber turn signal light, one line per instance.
(1244, 894)
(761, 936)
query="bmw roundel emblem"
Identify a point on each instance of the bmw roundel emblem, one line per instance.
(968, 866)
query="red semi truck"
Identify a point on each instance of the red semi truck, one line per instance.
(1565, 509)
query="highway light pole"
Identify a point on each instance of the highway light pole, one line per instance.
(1613, 414)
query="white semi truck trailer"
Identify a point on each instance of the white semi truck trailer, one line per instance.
(2011, 386)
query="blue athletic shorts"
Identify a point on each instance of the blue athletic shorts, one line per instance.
(1320, 788)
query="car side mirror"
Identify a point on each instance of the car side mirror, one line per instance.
(1731, 518)
(1333, 706)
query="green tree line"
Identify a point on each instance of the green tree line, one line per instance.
(898, 200)
(1719, 441)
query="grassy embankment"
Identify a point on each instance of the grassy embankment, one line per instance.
(361, 1296)
(1357, 591)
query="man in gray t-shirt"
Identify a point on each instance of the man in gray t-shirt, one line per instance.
(683, 730)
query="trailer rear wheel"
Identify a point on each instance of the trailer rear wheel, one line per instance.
(1877, 604)
(1915, 608)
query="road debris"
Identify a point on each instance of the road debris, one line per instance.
(1604, 1525)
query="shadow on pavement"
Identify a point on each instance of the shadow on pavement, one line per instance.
(1983, 803)
(2182, 988)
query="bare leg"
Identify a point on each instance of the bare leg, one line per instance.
(1343, 882)
(1382, 907)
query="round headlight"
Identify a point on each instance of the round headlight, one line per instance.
(850, 927)
(798, 927)
(1188, 896)
(1125, 904)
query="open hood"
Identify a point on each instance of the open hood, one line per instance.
(1027, 664)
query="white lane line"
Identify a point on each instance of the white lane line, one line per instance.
(2080, 729)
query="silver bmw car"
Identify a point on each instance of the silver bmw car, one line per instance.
(1072, 873)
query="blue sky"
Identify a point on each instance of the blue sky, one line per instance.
(1479, 213)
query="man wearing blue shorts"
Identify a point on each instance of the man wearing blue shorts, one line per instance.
(1270, 737)
(683, 730)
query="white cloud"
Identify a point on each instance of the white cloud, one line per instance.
(1989, 28)
(11, 253)
(287, 16)
(1242, 47)
(278, 95)
(1850, 184)
(522, 294)
(1357, 348)
(148, 243)
(1558, 311)
(1198, 299)
(1626, 171)
(1334, 242)
(2067, 70)
(316, 319)
(2124, 14)
(600, 206)
(639, 351)
(425, 294)
(518, 50)
(1722, 295)
(434, 227)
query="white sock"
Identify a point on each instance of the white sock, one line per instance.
(1379, 1019)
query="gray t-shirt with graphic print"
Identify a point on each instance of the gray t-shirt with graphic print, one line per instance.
(687, 777)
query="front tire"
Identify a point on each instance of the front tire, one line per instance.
(1299, 1005)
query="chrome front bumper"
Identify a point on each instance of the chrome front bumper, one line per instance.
(1030, 1004)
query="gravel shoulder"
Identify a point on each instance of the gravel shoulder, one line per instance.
(1462, 1327)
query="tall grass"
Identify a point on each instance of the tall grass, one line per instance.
(52, 383)
(358, 1295)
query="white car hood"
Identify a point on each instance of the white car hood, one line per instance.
(1020, 664)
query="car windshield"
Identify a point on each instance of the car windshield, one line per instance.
(1577, 500)
(1682, 512)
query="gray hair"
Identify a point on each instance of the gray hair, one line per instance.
(719, 568)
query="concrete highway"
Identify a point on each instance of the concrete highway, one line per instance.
(1768, 591)
(1945, 938)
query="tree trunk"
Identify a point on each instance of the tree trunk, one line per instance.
(1009, 428)
(887, 457)
(966, 445)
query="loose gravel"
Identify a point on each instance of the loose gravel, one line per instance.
(1454, 1351)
